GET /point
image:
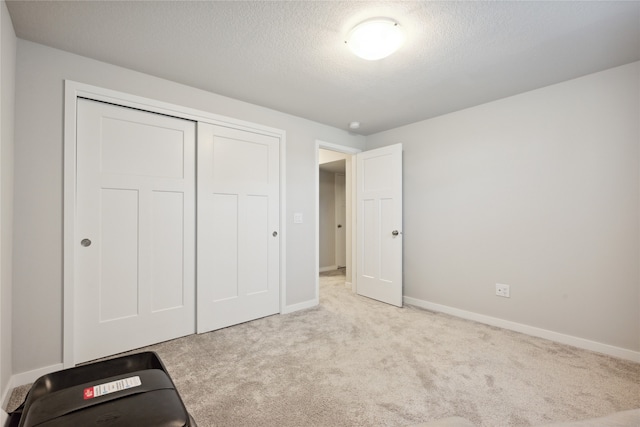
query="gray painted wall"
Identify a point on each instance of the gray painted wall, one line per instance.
(37, 299)
(540, 191)
(7, 92)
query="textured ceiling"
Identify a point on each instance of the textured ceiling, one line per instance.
(290, 56)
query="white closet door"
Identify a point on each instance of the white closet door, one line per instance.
(135, 265)
(379, 227)
(238, 226)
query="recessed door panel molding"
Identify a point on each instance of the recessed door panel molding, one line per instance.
(238, 226)
(125, 148)
(118, 257)
(370, 237)
(379, 224)
(257, 244)
(388, 221)
(239, 162)
(223, 263)
(376, 174)
(135, 184)
(167, 263)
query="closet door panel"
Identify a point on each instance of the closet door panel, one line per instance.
(238, 226)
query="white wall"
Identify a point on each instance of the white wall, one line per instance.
(540, 191)
(7, 92)
(37, 314)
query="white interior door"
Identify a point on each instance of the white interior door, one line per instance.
(379, 224)
(341, 218)
(135, 229)
(238, 226)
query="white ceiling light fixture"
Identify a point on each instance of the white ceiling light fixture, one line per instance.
(375, 38)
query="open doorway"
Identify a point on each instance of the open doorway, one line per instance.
(332, 213)
(335, 225)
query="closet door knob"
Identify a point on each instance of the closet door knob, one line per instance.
(85, 242)
(395, 232)
(275, 233)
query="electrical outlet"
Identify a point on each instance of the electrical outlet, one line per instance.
(502, 290)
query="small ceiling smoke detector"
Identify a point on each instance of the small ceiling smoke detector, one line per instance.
(375, 38)
(354, 125)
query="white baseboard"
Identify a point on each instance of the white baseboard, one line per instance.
(300, 306)
(21, 379)
(30, 376)
(6, 395)
(327, 268)
(586, 344)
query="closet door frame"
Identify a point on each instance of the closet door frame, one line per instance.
(74, 90)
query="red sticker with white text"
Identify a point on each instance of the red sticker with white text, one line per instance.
(111, 387)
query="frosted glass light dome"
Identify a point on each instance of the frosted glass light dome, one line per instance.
(375, 38)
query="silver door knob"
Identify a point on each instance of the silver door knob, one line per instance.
(275, 233)
(395, 232)
(85, 242)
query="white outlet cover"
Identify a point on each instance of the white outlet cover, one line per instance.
(297, 218)
(502, 290)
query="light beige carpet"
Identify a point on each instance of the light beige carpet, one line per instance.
(356, 362)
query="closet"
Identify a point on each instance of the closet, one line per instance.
(175, 229)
